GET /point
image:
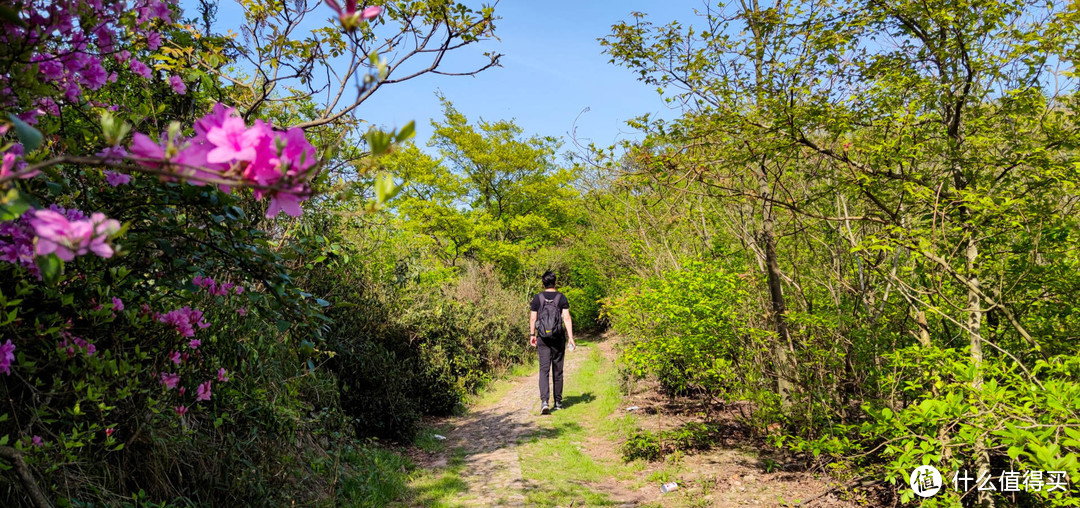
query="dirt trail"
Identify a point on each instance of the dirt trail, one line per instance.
(489, 435)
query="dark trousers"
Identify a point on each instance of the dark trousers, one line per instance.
(551, 358)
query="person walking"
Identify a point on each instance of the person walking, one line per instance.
(549, 321)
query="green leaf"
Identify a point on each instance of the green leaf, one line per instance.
(406, 132)
(51, 267)
(11, 15)
(13, 205)
(30, 137)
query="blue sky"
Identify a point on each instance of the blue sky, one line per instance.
(552, 70)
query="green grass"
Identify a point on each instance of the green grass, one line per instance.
(426, 440)
(437, 487)
(554, 459)
(377, 476)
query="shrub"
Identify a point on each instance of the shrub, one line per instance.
(642, 445)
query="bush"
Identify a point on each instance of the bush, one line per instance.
(642, 445)
(421, 346)
(688, 329)
(691, 436)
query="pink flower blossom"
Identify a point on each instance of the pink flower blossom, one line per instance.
(232, 141)
(194, 343)
(222, 375)
(67, 238)
(170, 380)
(175, 357)
(117, 179)
(349, 17)
(184, 320)
(109, 432)
(117, 303)
(112, 153)
(286, 201)
(239, 289)
(140, 68)
(153, 41)
(182, 390)
(37, 441)
(202, 392)
(123, 56)
(178, 85)
(7, 355)
(93, 75)
(12, 167)
(242, 311)
(180, 410)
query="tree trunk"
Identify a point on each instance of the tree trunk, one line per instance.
(776, 294)
(974, 326)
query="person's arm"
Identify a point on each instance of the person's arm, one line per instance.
(532, 328)
(569, 323)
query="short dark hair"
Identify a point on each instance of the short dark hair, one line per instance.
(548, 279)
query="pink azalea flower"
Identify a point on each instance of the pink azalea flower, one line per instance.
(349, 17)
(94, 75)
(112, 153)
(109, 432)
(232, 141)
(216, 118)
(283, 200)
(185, 320)
(117, 304)
(68, 238)
(170, 380)
(178, 85)
(194, 343)
(7, 355)
(117, 179)
(202, 392)
(12, 167)
(239, 289)
(242, 311)
(175, 357)
(222, 375)
(180, 410)
(182, 390)
(153, 41)
(37, 441)
(123, 56)
(140, 68)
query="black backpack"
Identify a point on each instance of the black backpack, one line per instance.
(549, 318)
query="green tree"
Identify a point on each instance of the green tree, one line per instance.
(493, 196)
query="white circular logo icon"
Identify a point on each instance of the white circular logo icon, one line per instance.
(925, 481)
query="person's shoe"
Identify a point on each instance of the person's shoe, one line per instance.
(544, 409)
(558, 406)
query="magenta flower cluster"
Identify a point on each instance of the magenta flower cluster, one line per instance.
(214, 288)
(17, 243)
(72, 55)
(228, 152)
(67, 233)
(67, 238)
(185, 320)
(7, 356)
(72, 344)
